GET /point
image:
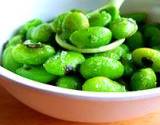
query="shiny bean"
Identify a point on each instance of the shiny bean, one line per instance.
(32, 55)
(100, 19)
(40, 33)
(92, 37)
(74, 21)
(8, 61)
(37, 73)
(123, 28)
(69, 82)
(101, 66)
(143, 79)
(102, 84)
(63, 62)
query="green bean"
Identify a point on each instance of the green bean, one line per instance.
(92, 37)
(37, 73)
(74, 21)
(8, 61)
(143, 79)
(101, 66)
(63, 62)
(40, 33)
(69, 82)
(32, 55)
(102, 84)
(123, 28)
(100, 19)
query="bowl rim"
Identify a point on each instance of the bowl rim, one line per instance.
(110, 96)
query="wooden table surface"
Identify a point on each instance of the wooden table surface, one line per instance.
(12, 112)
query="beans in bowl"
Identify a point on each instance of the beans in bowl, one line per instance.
(99, 51)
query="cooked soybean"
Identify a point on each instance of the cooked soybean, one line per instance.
(74, 21)
(92, 37)
(143, 79)
(101, 66)
(100, 19)
(40, 33)
(37, 73)
(69, 82)
(63, 62)
(8, 61)
(102, 84)
(123, 28)
(32, 55)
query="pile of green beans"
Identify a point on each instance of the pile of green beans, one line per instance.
(34, 53)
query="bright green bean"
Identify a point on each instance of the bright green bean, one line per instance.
(123, 28)
(102, 84)
(69, 82)
(8, 61)
(101, 66)
(35, 73)
(63, 62)
(92, 37)
(32, 55)
(143, 79)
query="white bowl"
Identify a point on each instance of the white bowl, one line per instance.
(70, 104)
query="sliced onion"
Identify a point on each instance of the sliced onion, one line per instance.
(108, 47)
